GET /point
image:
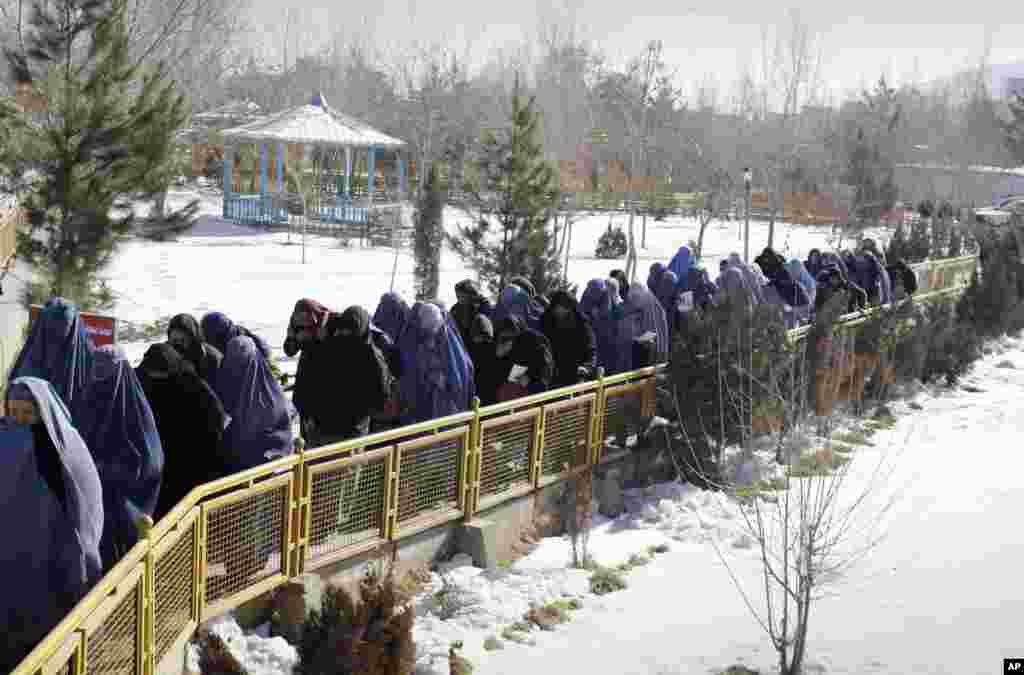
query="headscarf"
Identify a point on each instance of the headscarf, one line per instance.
(813, 262)
(315, 314)
(623, 281)
(260, 413)
(597, 305)
(51, 551)
(438, 372)
(514, 301)
(219, 330)
(525, 284)
(118, 427)
(391, 315)
(654, 276)
(188, 325)
(680, 265)
(642, 314)
(58, 350)
(800, 275)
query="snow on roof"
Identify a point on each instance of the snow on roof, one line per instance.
(315, 123)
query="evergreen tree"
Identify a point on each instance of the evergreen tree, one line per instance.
(105, 141)
(428, 239)
(513, 234)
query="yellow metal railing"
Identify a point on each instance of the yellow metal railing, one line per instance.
(10, 218)
(236, 538)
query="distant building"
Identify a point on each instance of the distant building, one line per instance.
(961, 185)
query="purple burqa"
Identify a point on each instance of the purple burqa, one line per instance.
(642, 313)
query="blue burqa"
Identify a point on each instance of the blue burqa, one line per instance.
(668, 292)
(680, 265)
(798, 273)
(116, 422)
(260, 428)
(598, 306)
(58, 350)
(438, 374)
(514, 301)
(391, 315)
(51, 543)
(219, 330)
(642, 313)
(654, 276)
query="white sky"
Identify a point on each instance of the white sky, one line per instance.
(905, 40)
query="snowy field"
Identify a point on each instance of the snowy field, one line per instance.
(255, 276)
(940, 594)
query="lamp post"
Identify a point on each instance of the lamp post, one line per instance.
(746, 227)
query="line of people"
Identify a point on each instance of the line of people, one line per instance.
(798, 287)
(91, 443)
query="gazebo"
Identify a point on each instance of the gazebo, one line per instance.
(327, 130)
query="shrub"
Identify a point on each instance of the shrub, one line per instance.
(492, 643)
(612, 243)
(366, 635)
(605, 580)
(449, 600)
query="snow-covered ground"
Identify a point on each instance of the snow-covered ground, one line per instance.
(941, 593)
(255, 276)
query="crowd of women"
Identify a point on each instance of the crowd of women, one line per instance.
(90, 443)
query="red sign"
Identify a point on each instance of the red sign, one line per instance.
(102, 330)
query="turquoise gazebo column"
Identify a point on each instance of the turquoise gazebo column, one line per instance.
(371, 172)
(264, 166)
(279, 168)
(229, 170)
(262, 210)
(401, 176)
(348, 171)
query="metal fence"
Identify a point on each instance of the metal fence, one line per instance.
(239, 537)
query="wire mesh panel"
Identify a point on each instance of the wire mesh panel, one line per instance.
(623, 415)
(113, 632)
(429, 478)
(245, 538)
(567, 427)
(174, 584)
(65, 660)
(347, 505)
(508, 445)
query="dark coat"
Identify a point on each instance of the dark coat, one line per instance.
(487, 371)
(530, 350)
(344, 379)
(190, 419)
(573, 344)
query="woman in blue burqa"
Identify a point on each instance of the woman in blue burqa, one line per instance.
(681, 263)
(437, 375)
(597, 305)
(53, 522)
(58, 350)
(117, 424)
(219, 330)
(643, 316)
(190, 419)
(391, 315)
(261, 415)
(514, 301)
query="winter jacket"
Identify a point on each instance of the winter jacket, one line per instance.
(573, 344)
(530, 349)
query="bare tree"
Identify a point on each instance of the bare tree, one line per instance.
(791, 78)
(634, 93)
